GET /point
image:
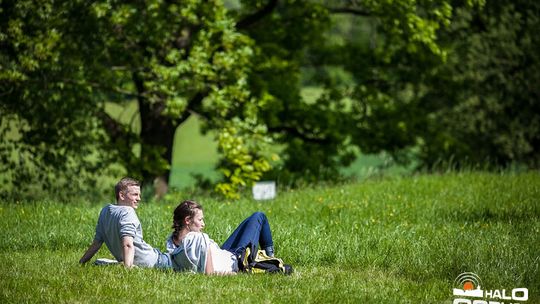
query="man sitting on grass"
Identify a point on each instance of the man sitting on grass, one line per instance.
(119, 227)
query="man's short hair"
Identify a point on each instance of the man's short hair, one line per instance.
(123, 184)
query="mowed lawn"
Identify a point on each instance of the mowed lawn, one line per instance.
(392, 240)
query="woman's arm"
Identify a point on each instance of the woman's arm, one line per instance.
(209, 268)
(210, 265)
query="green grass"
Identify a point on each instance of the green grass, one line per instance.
(194, 153)
(392, 240)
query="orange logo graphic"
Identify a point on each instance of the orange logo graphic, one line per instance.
(468, 284)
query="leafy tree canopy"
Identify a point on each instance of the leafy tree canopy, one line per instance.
(448, 79)
(359, 52)
(63, 61)
(479, 106)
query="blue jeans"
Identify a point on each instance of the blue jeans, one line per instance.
(163, 261)
(254, 230)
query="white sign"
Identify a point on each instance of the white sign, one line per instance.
(264, 190)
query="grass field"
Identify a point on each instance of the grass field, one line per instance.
(392, 240)
(194, 153)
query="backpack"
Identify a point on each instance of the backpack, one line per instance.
(252, 260)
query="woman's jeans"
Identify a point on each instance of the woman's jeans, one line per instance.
(254, 230)
(163, 261)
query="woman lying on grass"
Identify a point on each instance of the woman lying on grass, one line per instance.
(192, 250)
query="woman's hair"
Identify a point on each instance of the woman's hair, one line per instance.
(185, 209)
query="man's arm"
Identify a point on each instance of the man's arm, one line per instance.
(128, 251)
(91, 251)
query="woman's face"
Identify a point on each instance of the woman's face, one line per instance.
(196, 223)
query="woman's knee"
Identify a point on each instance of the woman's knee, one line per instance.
(259, 215)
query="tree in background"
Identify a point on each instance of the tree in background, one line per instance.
(358, 52)
(64, 61)
(396, 76)
(435, 82)
(478, 107)
(486, 98)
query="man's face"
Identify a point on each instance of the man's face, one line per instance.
(130, 197)
(196, 223)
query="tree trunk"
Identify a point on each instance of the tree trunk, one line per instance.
(157, 136)
(157, 139)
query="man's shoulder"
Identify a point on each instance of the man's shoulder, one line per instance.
(118, 211)
(106, 207)
(120, 208)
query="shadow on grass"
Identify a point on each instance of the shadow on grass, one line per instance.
(489, 215)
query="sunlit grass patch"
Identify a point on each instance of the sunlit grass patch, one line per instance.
(392, 240)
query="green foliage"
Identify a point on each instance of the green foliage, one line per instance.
(400, 240)
(360, 53)
(477, 108)
(49, 137)
(436, 80)
(471, 101)
(63, 61)
(241, 166)
(485, 99)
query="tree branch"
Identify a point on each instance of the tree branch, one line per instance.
(114, 129)
(349, 10)
(296, 133)
(196, 101)
(97, 85)
(253, 18)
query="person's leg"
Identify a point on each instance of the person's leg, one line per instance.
(255, 230)
(164, 260)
